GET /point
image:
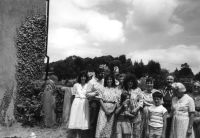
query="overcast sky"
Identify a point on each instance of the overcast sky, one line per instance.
(166, 31)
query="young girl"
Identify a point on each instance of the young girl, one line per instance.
(123, 124)
(79, 115)
(157, 117)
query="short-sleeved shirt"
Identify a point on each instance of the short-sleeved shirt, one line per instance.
(156, 114)
(183, 106)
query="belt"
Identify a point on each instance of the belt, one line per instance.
(81, 97)
(105, 101)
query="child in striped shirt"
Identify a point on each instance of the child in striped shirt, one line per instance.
(157, 115)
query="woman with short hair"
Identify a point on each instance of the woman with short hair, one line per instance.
(183, 110)
(196, 97)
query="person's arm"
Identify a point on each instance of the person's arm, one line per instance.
(147, 128)
(103, 107)
(191, 116)
(119, 109)
(127, 113)
(164, 124)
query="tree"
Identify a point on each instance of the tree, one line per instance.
(185, 71)
(197, 76)
(153, 67)
(122, 58)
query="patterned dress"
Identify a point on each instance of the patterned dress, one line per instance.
(196, 124)
(181, 108)
(136, 101)
(110, 97)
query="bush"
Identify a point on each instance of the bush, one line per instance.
(30, 46)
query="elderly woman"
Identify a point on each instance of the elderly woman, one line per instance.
(196, 97)
(183, 109)
(109, 96)
(136, 99)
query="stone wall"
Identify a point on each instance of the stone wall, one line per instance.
(12, 14)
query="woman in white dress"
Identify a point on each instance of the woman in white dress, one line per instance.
(79, 115)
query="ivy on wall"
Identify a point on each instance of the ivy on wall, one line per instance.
(30, 45)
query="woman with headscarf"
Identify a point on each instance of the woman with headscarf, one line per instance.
(196, 97)
(183, 110)
(136, 99)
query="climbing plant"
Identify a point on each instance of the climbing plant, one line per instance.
(30, 46)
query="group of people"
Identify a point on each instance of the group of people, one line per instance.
(110, 105)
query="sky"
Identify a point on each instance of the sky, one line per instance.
(166, 31)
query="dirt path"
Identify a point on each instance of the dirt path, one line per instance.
(22, 132)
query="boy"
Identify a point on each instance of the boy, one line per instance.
(157, 115)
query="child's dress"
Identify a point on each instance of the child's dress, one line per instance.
(123, 124)
(79, 116)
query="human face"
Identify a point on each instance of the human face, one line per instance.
(121, 79)
(177, 93)
(170, 80)
(196, 88)
(157, 101)
(101, 75)
(130, 84)
(149, 85)
(109, 82)
(83, 79)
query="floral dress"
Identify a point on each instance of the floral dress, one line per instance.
(196, 124)
(110, 97)
(181, 108)
(136, 101)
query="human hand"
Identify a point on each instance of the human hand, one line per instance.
(189, 132)
(163, 135)
(147, 134)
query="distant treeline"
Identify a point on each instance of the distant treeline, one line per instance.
(71, 67)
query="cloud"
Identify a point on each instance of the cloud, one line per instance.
(170, 58)
(77, 28)
(154, 16)
(98, 26)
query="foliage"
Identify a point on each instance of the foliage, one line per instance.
(30, 46)
(5, 103)
(197, 76)
(185, 71)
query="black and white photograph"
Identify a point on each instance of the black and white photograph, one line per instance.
(99, 69)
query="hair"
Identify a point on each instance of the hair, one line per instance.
(149, 79)
(53, 78)
(124, 96)
(157, 94)
(128, 78)
(83, 73)
(106, 79)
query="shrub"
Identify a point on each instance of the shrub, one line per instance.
(30, 46)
